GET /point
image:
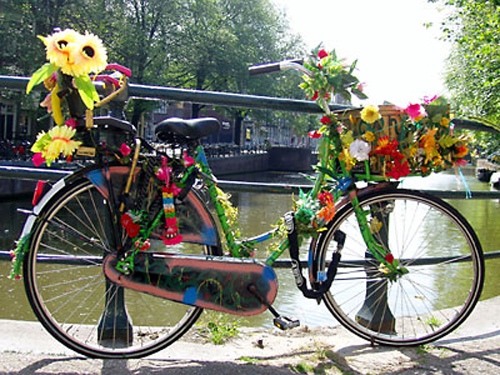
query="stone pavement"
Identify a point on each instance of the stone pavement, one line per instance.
(473, 349)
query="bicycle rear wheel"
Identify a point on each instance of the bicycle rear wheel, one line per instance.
(432, 241)
(71, 297)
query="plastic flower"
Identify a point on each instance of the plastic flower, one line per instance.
(360, 150)
(325, 197)
(445, 122)
(428, 142)
(322, 54)
(60, 143)
(386, 147)
(325, 120)
(369, 136)
(124, 149)
(370, 114)
(89, 56)
(38, 159)
(327, 213)
(188, 160)
(397, 170)
(314, 134)
(415, 111)
(461, 151)
(429, 99)
(59, 46)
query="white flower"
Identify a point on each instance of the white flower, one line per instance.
(360, 150)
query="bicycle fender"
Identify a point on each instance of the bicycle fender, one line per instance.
(92, 173)
(30, 221)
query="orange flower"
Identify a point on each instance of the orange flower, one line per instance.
(327, 213)
(386, 147)
(461, 151)
(428, 143)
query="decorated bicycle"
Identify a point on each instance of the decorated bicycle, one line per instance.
(120, 258)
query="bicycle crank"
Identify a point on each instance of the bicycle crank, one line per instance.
(210, 282)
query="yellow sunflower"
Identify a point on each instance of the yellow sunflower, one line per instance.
(89, 56)
(370, 114)
(61, 143)
(59, 46)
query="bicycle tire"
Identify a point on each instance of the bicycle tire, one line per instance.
(437, 246)
(70, 295)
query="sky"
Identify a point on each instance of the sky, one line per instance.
(399, 59)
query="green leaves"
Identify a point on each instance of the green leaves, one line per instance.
(44, 72)
(87, 90)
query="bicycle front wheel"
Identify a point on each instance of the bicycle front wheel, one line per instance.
(435, 244)
(72, 298)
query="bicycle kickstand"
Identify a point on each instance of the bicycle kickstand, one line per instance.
(282, 322)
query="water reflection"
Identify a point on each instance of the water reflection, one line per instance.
(257, 212)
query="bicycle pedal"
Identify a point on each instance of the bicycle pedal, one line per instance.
(284, 322)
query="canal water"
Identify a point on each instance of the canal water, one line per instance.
(257, 212)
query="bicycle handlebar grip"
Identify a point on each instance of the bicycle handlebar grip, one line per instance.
(264, 69)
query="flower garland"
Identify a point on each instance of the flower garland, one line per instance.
(71, 58)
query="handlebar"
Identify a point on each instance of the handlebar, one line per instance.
(117, 80)
(278, 66)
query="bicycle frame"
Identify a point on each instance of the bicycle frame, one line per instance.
(345, 188)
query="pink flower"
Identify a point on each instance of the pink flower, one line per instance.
(314, 134)
(188, 160)
(429, 100)
(124, 149)
(461, 162)
(322, 54)
(71, 123)
(38, 159)
(164, 174)
(361, 87)
(415, 111)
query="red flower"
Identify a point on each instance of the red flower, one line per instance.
(320, 66)
(315, 96)
(325, 197)
(133, 230)
(389, 258)
(325, 120)
(314, 134)
(386, 147)
(398, 170)
(126, 220)
(322, 54)
(71, 123)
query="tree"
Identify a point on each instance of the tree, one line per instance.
(473, 67)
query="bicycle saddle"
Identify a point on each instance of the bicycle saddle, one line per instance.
(175, 128)
(109, 122)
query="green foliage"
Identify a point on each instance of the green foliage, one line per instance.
(219, 327)
(472, 74)
(202, 44)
